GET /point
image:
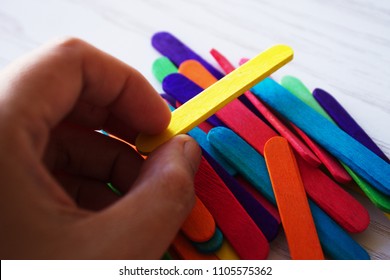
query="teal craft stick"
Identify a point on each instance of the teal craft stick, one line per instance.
(212, 245)
(336, 243)
(345, 148)
(162, 67)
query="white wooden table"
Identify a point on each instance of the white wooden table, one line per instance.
(340, 46)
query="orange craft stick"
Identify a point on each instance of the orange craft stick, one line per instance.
(199, 225)
(194, 71)
(186, 251)
(291, 200)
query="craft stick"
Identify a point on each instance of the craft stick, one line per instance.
(345, 121)
(199, 225)
(169, 99)
(295, 142)
(226, 252)
(243, 234)
(174, 83)
(171, 47)
(296, 87)
(334, 167)
(264, 220)
(379, 199)
(259, 197)
(218, 95)
(187, 251)
(201, 137)
(194, 71)
(212, 245)
(162, 67)
(336, 243)
(382, 201)
(349, 151)
(291, 200)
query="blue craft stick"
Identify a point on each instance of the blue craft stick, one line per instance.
(260, 215)
(201, 137)
(183, 89)
(345, 148)
(345, 121)
(336, 243)
(171, 47)
(212, 245)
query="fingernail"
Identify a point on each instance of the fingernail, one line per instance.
(193, 153)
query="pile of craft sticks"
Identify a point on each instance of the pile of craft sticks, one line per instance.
(277, 158)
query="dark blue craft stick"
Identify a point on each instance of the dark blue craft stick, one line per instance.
(183, 89)
(171, 47)
(212, 245)
(363, 161)
(171, 101)
(345, 121)
(336, 243)
(263, 219)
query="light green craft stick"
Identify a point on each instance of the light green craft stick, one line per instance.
(162, 67)
(205, 104)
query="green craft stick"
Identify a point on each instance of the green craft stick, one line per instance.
(296, 87)
(162, 67)
(215, 97)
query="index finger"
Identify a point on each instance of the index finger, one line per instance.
(49, 85)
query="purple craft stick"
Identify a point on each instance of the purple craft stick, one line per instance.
(264, 220)
(345, 121)
(171, 47)
(183, 89)
(169, 99)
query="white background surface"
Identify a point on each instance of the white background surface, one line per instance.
(340, 46)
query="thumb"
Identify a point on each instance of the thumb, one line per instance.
(145, 221)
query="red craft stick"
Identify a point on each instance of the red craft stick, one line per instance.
(334, 167)
(237, 226)
(199, 225)
(292, 202)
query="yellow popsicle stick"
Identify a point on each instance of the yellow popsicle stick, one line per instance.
(205, 104)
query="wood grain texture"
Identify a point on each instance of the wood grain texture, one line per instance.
(199, 225)
(360, 159)
(291, 200)
(336, 243)
(215, 97)
(236, 225)
(345, 121)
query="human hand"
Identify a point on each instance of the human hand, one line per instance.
(54, 166)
